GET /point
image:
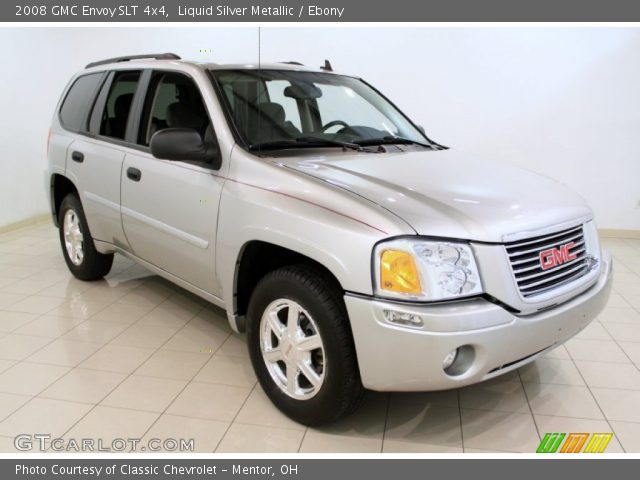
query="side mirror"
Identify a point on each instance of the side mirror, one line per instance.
(183, 144)
(421, 128)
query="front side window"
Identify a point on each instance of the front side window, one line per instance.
(73, 113)
(289, 109)
(173, 101)
(115, 115)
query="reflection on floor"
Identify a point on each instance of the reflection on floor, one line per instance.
(134, 356)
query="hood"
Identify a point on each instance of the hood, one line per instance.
(449, 193)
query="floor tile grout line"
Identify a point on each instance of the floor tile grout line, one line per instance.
(159, 348)
(620, 346)
(386, 420)
(126, 377)
(2, 419)
(188, 382)
(25, 360)
(460, 417)
(304, 435)
(526, 396)
(596, 400)
(582, 385)
(622, 296)
(236, 416)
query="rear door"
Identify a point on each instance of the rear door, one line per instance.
(170, 208)
(95, 158)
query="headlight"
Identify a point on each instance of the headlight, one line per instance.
(425, 270)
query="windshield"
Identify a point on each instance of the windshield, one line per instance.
(274, 109)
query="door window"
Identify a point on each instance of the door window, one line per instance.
(115, 115)
(73, 112)
(173, 101)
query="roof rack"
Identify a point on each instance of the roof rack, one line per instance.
(156, 56)
(291, 62)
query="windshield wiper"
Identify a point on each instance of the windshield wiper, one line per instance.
(391, 140)
(304, 142)
(327, 141)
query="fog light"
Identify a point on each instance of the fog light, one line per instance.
(449, 358)
(403, 318)
(459, 361)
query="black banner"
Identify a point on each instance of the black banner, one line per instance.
(316, 469)
(320, 11)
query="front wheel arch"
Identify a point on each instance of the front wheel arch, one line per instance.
(258, 258)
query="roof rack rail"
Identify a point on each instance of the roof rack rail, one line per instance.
(291, 62)
(156, 56)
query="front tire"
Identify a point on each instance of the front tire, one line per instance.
(78, 249)
(301, 346)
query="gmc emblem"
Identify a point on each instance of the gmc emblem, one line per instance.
(557, 256)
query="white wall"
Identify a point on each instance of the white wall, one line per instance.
(564, 102)
(38, 62)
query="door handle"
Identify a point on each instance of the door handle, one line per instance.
(134, 174)
(77, 157)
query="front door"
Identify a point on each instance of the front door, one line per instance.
(170, 208)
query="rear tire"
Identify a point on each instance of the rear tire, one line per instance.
(78, 249)
(301, 346)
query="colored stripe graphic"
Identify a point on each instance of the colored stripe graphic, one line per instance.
(598, 442)
(574, 443)
(550, 443)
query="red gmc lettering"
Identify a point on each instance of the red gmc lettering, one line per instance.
(557, 256)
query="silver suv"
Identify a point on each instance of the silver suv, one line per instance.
(354, 251)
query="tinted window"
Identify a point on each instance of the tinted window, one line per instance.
(118, 106)
(173, 101)
(303, 109)
(78, 101)
(276, 94)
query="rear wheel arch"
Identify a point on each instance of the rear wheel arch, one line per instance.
(61, 186)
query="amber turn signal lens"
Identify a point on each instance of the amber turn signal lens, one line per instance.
(398, 272)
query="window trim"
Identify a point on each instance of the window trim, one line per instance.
(106, 86)
(162, 72)
(103, 101)
(140, 111)
(228, 114)
(242, 142)
(131, 134)
(88, 111)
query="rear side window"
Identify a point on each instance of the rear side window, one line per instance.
(73, 113)
(118, 106)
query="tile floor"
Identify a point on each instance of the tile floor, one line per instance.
(135, 356)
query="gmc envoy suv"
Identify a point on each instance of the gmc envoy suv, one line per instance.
(355, 252)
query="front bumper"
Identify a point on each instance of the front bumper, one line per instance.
(395, 358)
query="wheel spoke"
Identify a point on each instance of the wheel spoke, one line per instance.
(307, 370)
(292, 349)
(273, 355)
(292, 319)
(311, 342)
(292, 378)
(274, 324)
(73, 238)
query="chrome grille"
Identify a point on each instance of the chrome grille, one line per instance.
(525, 258)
